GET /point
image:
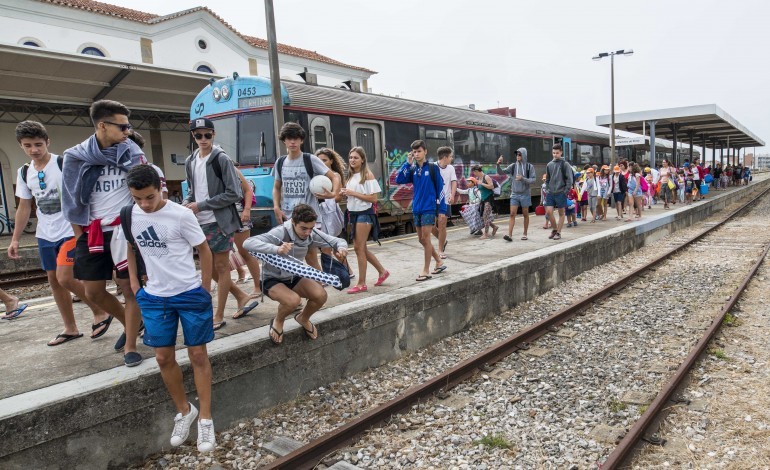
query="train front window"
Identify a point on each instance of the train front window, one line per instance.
(227, 136)
(251, 130)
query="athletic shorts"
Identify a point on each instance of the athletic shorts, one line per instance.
(558, 201)
(161, 315)
(422, 220)
(49, 252)
(268, 283)
(521, 200)
(66, 256)
(619, 197)
(99, 266)
(219, 241)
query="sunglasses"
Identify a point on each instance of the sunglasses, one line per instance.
(207, 135)
(122, 127)
(41, 179)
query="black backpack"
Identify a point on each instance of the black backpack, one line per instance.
(125, 224)
(25, 168)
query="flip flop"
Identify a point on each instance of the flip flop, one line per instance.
(423, 278)
(219, 324)
(65, 337)
(308, 333)
(279, 333)
(439, 270)
(245, 310)
(15, 312)
(104, 323)
(524, 237)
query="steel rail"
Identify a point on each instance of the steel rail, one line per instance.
(309, 455)
(38, 277)
(635, 434)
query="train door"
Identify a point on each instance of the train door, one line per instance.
(369, 135)
(320, 136)
(566, 148)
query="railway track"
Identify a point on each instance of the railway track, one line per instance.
(23, 279)
(311, 454)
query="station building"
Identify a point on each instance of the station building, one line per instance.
(59, 56)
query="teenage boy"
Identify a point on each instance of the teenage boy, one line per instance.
(164, 234)
(214, 188)
(292, 177)
(428, 201)
(448, 175)
(522, 176)
(293, 237)
(559, 179)
(41, 180)
(93, 192)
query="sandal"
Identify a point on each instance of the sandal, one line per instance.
(65, 337)
(439, 269)
(279, 333)
(524, 237)
(104, 323)
(245, 310)
(423, 278)
(219, 324)
(356, 290)
(308, 333)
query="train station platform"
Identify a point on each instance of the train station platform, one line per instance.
(76, 406)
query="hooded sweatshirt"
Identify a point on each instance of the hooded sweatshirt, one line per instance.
(428, 193)
(269, 242)
(81, 169)
(223, 193)
(559, 176)
(520, 168)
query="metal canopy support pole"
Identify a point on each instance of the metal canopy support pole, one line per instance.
(612, 105)
(691, 136)
(653, 154)
(674, 156)
(275, 75)
(703, 146)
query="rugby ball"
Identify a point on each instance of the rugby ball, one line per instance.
(320, 184)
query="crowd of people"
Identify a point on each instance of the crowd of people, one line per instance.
(104, 214)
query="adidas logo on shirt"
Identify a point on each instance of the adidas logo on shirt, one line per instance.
(150, 239)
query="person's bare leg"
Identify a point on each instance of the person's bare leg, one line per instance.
(172, 377)
(423, 234)
(288, 301)
(525, 212)
(63, 301)
(561, 220)
(133, 316)
(11, 301)
(96, 293)
(512, 220)
(199, 359)
(359, 245)
(224, 283)
(251, 262)
(551, 217)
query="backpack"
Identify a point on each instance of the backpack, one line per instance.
(217, 167)
(25, 168)
(643, 182)
(305, 159)
(125, 225)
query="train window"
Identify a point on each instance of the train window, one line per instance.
(227, 136)
(365, 138)
(251, 128)
(435, 134)
(491, 146)
(319, 137)
(435, 138)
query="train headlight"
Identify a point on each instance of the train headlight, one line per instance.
(225, 92)
(216, 94)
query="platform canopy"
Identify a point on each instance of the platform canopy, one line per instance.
(36, 75)
(704, 123)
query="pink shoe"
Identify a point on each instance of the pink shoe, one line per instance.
(382, 278)
(357, 289)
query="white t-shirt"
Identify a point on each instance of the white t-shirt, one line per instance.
(165, 239)
(695, 173)
(369, 187)
(202, 189)
(295, 183)
(109, 195)
(51, 225)
(447, 175)
(655, 175)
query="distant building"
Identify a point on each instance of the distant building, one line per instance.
(763, 161)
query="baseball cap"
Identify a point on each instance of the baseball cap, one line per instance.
(472, 180)
(201, 123)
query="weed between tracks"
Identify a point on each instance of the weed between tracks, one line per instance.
(498, 440)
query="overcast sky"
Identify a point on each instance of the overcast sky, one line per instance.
(535, 56)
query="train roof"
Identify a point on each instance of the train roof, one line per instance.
(339, 100)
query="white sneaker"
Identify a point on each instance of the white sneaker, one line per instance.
(182, 426)
(207, 441)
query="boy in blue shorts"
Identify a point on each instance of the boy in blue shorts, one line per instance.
(164, 234)
(428, 201)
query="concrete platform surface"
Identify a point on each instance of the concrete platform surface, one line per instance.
(117, 406)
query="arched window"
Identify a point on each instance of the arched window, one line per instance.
(204, 68)
(31, 43)
(95, 51)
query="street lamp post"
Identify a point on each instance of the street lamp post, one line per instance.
(612, 55)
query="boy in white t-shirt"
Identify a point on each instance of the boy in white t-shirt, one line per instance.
(449, 177)
(41, 180)
(165, 234)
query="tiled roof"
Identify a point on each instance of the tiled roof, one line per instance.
(149, 18)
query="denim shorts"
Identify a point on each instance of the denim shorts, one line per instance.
(421, 220)
(558, 201)
(49, 251)
(521, 200)
(162, 315)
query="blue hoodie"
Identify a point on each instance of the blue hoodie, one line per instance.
(426, 197)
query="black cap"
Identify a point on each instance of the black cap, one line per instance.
(201, 123)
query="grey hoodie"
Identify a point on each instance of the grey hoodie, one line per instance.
(559, 176)
(269, 242)
(523, 168)
(223, 193)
